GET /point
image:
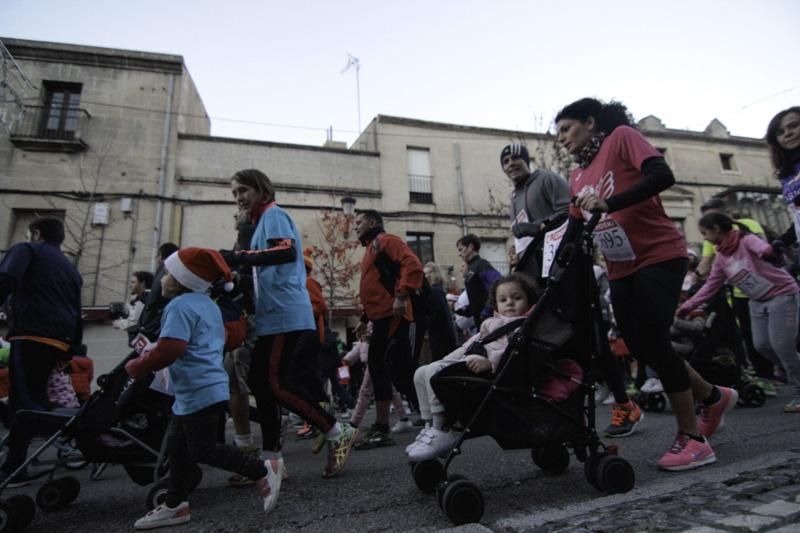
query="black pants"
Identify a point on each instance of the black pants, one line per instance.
(30, 364)
(191, 439)
(279, 376)
(644, 305)
(391, 360)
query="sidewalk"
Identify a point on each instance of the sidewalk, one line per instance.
(763, 496)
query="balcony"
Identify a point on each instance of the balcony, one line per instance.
(420, 188)
(49, 129)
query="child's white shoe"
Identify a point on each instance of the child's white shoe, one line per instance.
(433, 444)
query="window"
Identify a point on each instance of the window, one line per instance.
(422, 245)
(728, 163)
(420, 181)
(61, 114)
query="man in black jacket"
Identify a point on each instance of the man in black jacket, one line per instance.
(46, 324)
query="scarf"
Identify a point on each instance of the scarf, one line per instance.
(730, 243)
(586, 156)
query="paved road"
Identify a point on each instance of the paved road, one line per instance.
(376, 492)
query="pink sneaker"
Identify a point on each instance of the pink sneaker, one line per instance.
(711, 418)
(686, 454)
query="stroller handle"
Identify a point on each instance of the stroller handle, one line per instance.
(590, 225)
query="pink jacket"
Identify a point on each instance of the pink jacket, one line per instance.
(746, 269)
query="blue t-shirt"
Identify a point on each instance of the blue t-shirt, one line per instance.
(198, 377)
(282, 301)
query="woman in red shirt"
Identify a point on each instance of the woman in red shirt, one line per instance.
(620, 174)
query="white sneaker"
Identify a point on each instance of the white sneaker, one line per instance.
(652, 385)
(418, 438)
(435, 443)
(164, 516)
(269, 486)
(401, 426)
(609, 399)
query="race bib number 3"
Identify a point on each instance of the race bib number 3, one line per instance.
(551, 241)
(613, 241)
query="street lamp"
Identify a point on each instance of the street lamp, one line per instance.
(348, 205)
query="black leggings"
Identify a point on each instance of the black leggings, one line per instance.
(279, 375)
(391, 361)
(644, 306)
(191, 440)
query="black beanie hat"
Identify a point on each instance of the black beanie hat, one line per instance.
(516, 149)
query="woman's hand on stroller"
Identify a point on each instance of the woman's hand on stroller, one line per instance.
(478, 364)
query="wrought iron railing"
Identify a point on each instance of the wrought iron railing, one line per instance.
(52, 124)
(420, 188)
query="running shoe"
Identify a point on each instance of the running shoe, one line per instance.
(422, 433)
(339, 450)
(434, 443)
(318, 443)
(711, 418)
(624, 419)
(687, 454)
(793, 406)
(375, 439)
(269, 486)
(163, 516)
(767, 386)
(401, 426)
(652, 385)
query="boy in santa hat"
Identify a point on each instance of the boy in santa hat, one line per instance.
(191, 344)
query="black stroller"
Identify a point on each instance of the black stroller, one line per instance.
(719, 352)
(123, 422)
(565, 323)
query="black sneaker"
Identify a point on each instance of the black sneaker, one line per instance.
(374, 439)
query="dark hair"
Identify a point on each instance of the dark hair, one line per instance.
(50, 228)
(606, 116)
(712, 203)
(167, 249)
(144, 277)
(782, 160)
(723, 221)
(524, 281)
(257, 180)
(371, 214)
(470, 238)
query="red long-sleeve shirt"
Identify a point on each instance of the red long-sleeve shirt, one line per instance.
(375, 299)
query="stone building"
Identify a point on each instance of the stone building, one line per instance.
(118, 144)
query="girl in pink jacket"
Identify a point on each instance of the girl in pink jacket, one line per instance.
(774, 295)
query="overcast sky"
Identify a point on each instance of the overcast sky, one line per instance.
(272, 70)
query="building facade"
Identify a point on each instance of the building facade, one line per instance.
(118, 144)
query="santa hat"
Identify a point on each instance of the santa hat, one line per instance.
(197, 268)
(308, 258)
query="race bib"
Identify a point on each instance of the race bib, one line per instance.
(551, 241)
(613, 241)
(521, 244)
(750, 283)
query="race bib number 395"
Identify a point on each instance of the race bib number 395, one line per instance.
(613, 241)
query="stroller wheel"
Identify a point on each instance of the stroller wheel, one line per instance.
(590, 470)
(52, 495)
(754, 395)
(16, 513)
(462, 501)
(70, 488)
(552, 458)
(615, 474)
(443, 486)
(656, 402)
(157, 495)
(427, 474)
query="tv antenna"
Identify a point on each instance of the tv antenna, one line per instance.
(353, 62)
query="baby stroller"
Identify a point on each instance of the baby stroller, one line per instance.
(565, 323)
(123, 422)
(714, 347)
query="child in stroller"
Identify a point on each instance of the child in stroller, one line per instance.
(511, 298)
(514, 408)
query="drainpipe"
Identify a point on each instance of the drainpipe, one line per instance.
(460, 183)
(162, 174)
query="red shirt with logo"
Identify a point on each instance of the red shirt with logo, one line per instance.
(636, 236)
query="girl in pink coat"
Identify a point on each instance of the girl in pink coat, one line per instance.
(774, 295)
